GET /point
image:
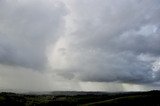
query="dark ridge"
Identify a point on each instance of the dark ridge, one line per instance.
(72, 98)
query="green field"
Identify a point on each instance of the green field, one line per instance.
(151, 98)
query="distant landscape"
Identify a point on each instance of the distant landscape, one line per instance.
(73, 98)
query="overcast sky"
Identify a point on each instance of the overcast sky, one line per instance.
(97, 45)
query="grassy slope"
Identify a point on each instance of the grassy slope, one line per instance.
(139, 100)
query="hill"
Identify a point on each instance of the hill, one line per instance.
(150, 98)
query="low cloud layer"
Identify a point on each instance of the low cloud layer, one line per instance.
(82, 43)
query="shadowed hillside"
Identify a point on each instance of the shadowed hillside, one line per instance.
(150, 98)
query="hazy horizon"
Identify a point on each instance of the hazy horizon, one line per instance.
(80, 45)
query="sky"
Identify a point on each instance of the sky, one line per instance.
(81, 45)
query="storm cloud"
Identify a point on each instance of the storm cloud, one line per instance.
(82, 42)
(115, 41)
(27, 27)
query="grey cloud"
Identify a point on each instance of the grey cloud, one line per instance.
(82, 40)
(27, 28)
(115, 33)
(105, 30)
(120, 67)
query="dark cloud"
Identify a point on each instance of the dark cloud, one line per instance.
(81, 41)
(110, 37)
(27, 28)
